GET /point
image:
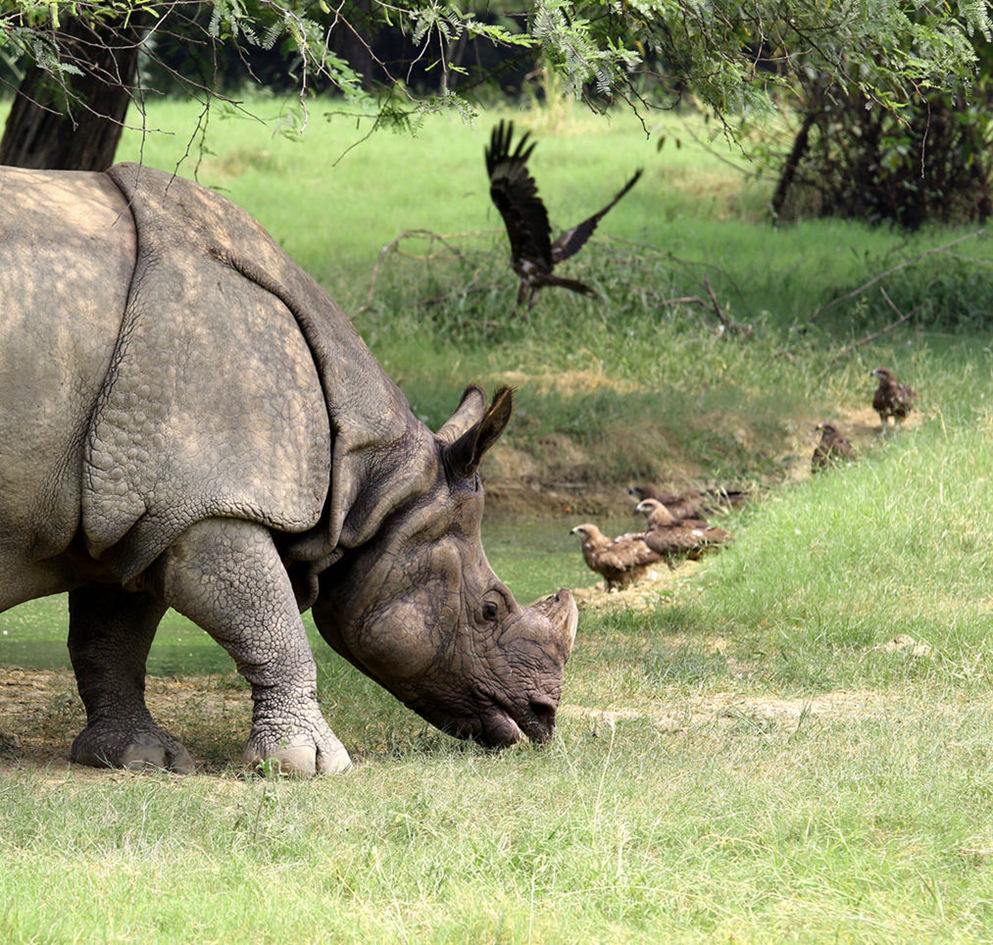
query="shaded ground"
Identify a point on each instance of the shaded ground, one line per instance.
(41, 712)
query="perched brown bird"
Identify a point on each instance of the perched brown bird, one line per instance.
(532, 252)
(676, 539)
(892, 399)
(696, 503)
(620, 560)
(832, 448)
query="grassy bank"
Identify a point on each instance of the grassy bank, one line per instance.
(633, 386)
(790, 743)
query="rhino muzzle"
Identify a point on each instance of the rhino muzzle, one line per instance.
(529, 709)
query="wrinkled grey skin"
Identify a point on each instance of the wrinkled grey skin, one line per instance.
(189, 422)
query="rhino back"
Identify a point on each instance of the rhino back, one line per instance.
(67, 252)
(351, 443)
(213, 405)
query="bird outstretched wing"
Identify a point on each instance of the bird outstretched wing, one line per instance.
(571, 241)
(515, 195)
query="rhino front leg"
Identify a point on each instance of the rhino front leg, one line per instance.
(110, 631)
(226, 576)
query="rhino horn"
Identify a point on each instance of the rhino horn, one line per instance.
(464, 452)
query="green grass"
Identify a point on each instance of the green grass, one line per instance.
(690, 402)
(833, 568)
(742, 761)
(857, 829)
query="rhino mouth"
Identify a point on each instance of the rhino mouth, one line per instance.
(498, 725)
(503, 726)
(499, 729)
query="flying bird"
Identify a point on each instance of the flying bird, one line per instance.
(891, 399)
(621, 560)
(533, 255)
(695, 503)
(832, 448)
(675, 540)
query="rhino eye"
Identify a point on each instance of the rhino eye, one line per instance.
(490, 610)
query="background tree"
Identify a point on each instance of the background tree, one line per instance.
(98, 63)
(928, 160)
(731, 55)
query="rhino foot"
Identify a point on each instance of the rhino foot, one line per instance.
(316, 751)
(104, 747)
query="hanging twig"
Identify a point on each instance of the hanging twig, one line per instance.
(743, 169)
(891, 270)
(727, 325)
(848, 349)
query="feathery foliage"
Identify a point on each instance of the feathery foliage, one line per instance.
(647, 52)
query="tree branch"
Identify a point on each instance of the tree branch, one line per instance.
(727, 325)
(848, 349)
(892, 269)
(393, 246)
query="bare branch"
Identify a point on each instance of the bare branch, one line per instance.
(727, 325)
(888, 272)
(393, 246)
(848, 349)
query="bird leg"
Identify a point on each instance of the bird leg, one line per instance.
(524, 292)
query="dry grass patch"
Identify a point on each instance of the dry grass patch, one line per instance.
(41, 713)
(658, 585)
(568, 382)
(717, 712)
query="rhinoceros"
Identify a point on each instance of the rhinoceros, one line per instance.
(188, 421)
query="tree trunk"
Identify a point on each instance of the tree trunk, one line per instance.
(793, 161)
(78, 126)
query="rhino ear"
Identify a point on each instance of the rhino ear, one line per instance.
(463, 455)
(469, 412)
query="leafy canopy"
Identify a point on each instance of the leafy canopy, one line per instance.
(730, 54)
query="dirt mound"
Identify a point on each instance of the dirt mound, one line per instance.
(516, 486)
(657, 586)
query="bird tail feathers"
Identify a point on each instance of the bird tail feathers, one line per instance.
(574, 284)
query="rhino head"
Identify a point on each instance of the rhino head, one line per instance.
(418, 608)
